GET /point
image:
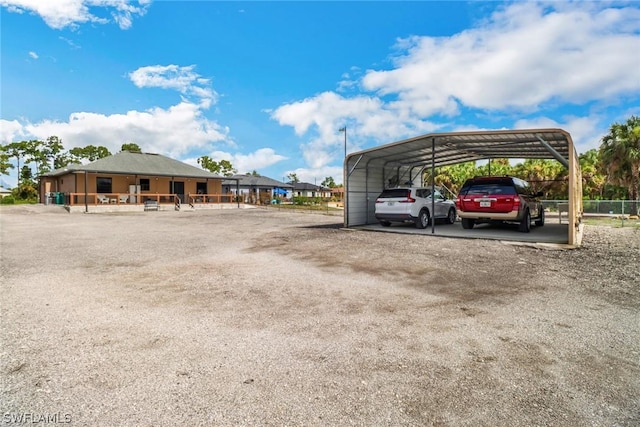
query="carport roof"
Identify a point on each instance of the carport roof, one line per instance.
(459, 147)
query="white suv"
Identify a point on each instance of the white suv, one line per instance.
(413, 204)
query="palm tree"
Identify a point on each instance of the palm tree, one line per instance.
(620, 157)
(451, 177)
(593, 180)
(548, 176)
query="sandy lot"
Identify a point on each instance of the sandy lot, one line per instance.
(260, 317)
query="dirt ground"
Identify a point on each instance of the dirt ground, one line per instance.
(262, 317)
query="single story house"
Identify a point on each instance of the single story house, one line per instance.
(4, 192)
(128, 178)
(256, 189)
(304, 189)
(337, 193)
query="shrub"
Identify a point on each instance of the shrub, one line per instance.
(7, 200)
(25, 192)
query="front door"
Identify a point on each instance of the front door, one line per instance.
(177, 188)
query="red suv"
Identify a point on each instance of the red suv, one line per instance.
(499, 199)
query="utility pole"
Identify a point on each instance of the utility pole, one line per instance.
(344, 129)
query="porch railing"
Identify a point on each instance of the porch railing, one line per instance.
(98, 199)
(195, 199)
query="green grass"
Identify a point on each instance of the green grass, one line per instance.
(318, 208)
(612, 222)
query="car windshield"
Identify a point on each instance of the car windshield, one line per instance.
(494, 189)
(394, 193)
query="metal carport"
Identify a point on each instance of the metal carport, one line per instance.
(368, 172)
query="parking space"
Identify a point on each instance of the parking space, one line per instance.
(550, 233)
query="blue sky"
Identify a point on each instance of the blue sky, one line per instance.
(267, 85)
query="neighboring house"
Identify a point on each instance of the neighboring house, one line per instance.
(130, 178)
(337, 193)
(257, 189)
(304, 189)
(4, 192)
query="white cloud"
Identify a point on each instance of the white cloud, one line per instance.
(182, 79)
(521, 60)
(59, 14)
(367, 117)
(243, 163)
(33, 55)
(173, 131)
(585, 132)
(528, 57)
(69, 42)
(317, 175)
(10, 131)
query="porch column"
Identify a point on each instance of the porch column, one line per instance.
(86, 196)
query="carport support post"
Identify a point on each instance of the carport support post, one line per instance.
(433, 185)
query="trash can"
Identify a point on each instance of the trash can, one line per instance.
(60, 198)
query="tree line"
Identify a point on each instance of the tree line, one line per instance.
(610, 172)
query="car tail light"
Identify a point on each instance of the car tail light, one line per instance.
(516, 203)
(379, 201)
(459, 202)
(409, 199)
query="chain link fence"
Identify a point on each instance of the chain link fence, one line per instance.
(600, 207)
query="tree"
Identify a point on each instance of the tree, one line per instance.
(619, 156)
(17, 150)
(293, 177)
(131, 146)
(496, 167)
(26, 175)
(51, 148)
(90, 152)
(5, 164)
(451, 177)
(548, 176)
(328, 182)
(593, 180)
(223, 167)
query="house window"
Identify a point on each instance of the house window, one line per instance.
(201, 187)
(144, 184)
(103, 185)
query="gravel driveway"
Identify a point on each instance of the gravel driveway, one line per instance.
(263, 317)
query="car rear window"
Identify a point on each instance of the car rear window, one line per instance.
(393, 193)
(488, 188)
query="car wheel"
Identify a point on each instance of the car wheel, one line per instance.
(451, 216)
(423, 219)
(467, 223)
(525, 224)
(540, 220)
(385, 223)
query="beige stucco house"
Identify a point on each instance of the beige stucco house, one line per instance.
(131, 178)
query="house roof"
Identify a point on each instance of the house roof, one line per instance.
(4, 191)
(126, 162)
(305, 186)
(254, 180)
